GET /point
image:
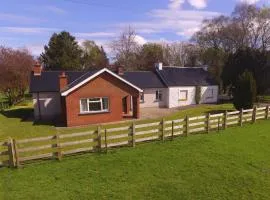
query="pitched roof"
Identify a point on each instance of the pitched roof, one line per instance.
(49, 81)
(91, 75)
(185, 76)
(144, 79)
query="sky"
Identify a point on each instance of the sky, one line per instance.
(30, 23)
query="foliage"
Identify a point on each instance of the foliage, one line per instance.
(245, 91)
(94, 57)
(62, 53)
(15, 67)
(198, 94)
(150, 54)
(232, 164)
(252, 60)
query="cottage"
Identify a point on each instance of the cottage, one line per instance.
(80, 98)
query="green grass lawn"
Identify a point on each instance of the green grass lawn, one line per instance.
(17, 122)
(232, 164)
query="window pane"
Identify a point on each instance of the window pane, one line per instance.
(94, 106)
(84, 105)
(183, 95)
(105, 103)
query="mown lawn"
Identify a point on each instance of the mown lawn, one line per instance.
(232, 164)
(18, 123)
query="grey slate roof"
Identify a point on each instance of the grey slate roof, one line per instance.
(192, 76)
(167, 77)
(144, 79)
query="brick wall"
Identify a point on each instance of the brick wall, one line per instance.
(104, 85)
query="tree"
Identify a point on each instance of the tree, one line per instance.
(15, 67)
(150, 54)
(62, 53)
(125, 48)
(245, 92)
(94, 57)
(249, 59)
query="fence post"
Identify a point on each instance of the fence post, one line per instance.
(133, 132)
(16, 153)
(99, 138)
(225, 119)
(208, 122)
(254, 114)
(106, 145)
(11, 153)
(267, 112)
(172, 129)
(163, 129)
(241, 117)
(187, 126)
(59, 152)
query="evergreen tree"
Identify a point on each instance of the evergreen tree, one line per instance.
(62, 53)
(245, 91)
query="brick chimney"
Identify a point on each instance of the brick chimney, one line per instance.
(120, 70)
(37, 69)
(63, 81)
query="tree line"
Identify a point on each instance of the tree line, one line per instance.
(235, 47)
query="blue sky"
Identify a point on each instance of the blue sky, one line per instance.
(30, 23)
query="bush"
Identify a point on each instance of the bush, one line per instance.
(198, 94)
(245, 91)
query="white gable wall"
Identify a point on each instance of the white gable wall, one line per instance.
(209, 94)
(150, 98)
(48, 107)
(174, 96)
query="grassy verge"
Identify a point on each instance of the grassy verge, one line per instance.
(230, 165)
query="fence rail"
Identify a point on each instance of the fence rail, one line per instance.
(15, 153)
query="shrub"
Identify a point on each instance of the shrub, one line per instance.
(198, 94)
(245, 92)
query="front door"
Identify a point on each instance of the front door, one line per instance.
(124, 105)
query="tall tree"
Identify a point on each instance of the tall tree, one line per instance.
(150, 54)
(62, 53)
(94, 57)
(15, 67)
(125, 49)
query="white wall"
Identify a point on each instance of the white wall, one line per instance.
(50, 105)
(174, 96)
(150, 98)
(209, 94)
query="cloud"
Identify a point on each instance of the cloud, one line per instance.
(35, 49)
(55, 9)
(249, 1)
(140, 40)
(19, 18)
(175, 4)
(27, 30)
(95, 34)
(199, 4)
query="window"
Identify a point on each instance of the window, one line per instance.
(210, 94)
(94, 105)
(158, 95)
(142, 97)
(183, 95)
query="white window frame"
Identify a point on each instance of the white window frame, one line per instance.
(159, 95)
(97, 101)
(184, 99)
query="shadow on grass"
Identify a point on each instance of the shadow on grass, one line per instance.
(218, 111)
(26, 115)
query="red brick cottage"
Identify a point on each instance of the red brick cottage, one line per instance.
(83, 98)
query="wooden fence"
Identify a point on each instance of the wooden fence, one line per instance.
(15, 153)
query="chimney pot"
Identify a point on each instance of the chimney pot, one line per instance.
(37, 69)
(159, 66)
(120, 70)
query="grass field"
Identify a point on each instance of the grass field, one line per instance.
(17, 122)
(232, 164)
